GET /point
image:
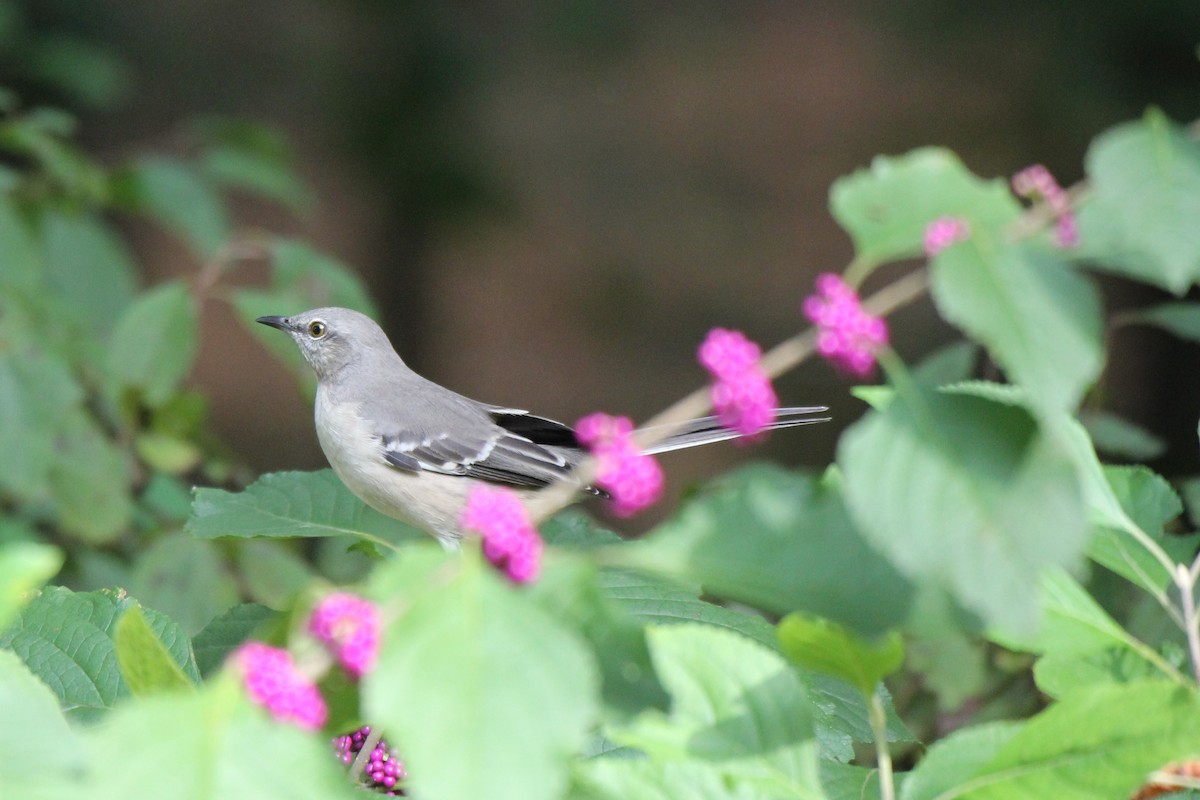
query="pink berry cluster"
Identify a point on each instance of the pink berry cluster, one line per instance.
(384, 770)
(349, 627)
(510, 541)
(634, 479)
(742, 395)
(943, 232)
(274, 682)
(847, 336)
(1037, 181)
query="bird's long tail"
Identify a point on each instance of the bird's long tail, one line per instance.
(706, 430)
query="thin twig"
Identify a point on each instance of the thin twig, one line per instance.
(364, 755)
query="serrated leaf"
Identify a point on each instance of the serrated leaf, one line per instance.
(177, 196)
(841, 712)
(1100, 741)
(1078, 638)
(89, 267)
(734, 704)
(145, 663)
(968, 494)
(497, 680)
(24, 566)
(218, 746)
(1145, 502)
(818, 644)
(226, 632)
(154, 343)
(35, 738)
(953, 761)
(65, 638)
(1016, 298)
(186, 579)
(1140, 218)
(779, 541)
(886, 209)
(292, 504)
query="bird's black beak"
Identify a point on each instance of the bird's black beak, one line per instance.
(275, 322)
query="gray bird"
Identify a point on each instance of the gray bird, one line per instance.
(412, 449)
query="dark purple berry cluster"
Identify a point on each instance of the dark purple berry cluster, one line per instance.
(384, 771)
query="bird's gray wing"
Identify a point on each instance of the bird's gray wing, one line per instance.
(500, 445)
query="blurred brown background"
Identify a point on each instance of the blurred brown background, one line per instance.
(552, 202)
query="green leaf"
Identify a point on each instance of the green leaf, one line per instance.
(818, 644)
(886, 209)
(841, 712)
(88, 267)
(35, 738)
(624, 778)
(1119, 437)
(1145, 502)
(186, 579)
(515, 723)
(779, 541)
(292, 504)
(1181, 319)
(24, 269)
(1100, 741)
(146, 665)
(253, 172)
(273, 573)
(734, 704)
(1015, 299)
(24, 566)
(66, 639)
(571, 592)
(37, 392)
(1081, 644)
(154, 343)
(952, 762)
(178, 197)
(90, 479)
(966, 493)
(217, 746)
(221, 636)
(1145, 199)
(847, 782)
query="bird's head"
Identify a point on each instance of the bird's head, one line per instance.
(332, 338)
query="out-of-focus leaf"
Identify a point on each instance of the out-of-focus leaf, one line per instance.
(292, 504)
(615, 778)
(36, 393)
(1181, 319)
(501, 644)
(90, 479)
(154, 343)
(1119, 437)
(24, 566)
(824, 646)
(89, 267)
(1145, 199)
(178, 196)
(1147, 501)
(66, 640)
(953, 761)
(186, 579)
(23, 266)
(1016, 300)
(273, 573)
(734, 704)
(968, 494)
(146, 664)
(779, 541)
(35, 738)
(226, 632)
(885, 209)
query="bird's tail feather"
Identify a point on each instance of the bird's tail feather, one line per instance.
(706, 430)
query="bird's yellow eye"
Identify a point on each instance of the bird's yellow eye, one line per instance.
(316, 329)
